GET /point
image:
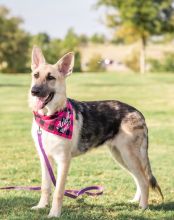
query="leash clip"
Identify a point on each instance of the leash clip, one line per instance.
(39, 131)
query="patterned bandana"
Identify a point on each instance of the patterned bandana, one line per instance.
(61, 123)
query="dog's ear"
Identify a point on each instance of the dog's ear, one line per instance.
(65, 64)
(37, 58)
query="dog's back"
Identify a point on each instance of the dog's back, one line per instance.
(101, 121)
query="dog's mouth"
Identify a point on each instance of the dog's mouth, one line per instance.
(41, 102)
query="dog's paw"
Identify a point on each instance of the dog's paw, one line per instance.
(54, 214)
(143, 207)
(133, 200)
(38, 207)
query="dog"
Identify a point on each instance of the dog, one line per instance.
(118, 125)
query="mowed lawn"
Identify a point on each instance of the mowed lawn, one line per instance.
(152, 94)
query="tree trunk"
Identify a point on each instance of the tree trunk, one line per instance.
(142, 55)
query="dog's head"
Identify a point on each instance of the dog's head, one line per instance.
(48, 90)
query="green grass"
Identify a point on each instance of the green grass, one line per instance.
(151, 94)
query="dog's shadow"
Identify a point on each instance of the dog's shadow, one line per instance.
(77, 210)
(123, 210)
(166, 206)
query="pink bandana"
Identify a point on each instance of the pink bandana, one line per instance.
(61, 123)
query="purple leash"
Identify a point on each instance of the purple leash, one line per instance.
(70, 193)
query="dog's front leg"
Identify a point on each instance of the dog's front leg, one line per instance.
(46, 184)
(63, 167)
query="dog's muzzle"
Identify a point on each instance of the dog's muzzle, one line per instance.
(43, 96)
(38, 91)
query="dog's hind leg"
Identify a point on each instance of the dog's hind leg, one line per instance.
(137, 195)
(129, 147)
(117, 156)
(134, 166)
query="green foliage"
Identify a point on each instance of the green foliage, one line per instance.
(41, 39)
(71, 41)
(14, 43)
(139, 19)
(53, 49)
(77, 64)
(117, 40)
(98, 38)
(143, 18)
(164, 65)
(132, 60)
(95, 64)
(83, 39)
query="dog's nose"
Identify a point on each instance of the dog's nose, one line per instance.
(35, 90)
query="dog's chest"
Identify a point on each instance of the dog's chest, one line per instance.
(53, 144)
(56, 145)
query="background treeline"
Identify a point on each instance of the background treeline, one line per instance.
(16, 44)
(144, 22)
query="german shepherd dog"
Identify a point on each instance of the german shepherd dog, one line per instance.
(119, 126)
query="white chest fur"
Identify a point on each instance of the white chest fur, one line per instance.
(57, 146)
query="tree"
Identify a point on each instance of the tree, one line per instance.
(14, 43)
(41, 39)
(72, 42)
(98, 38)
(77, 64)
(95, 64)
(83, 39)
(53, 49)
(140, 19)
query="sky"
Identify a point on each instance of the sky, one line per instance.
(55, 17)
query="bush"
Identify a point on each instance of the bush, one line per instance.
(95, 64)
(165, 65)
(77, 64)
(98, 39)
(14, 43)
(132, 60)
(155, 65)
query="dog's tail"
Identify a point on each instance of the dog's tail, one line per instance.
(148, 171)
(155, 186)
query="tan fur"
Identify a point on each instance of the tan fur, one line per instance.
(59, 85)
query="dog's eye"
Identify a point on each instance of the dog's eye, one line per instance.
(36, 75)
(49, 77)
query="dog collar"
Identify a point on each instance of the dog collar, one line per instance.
(60, 123)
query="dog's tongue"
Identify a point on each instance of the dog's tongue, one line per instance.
(39, 103)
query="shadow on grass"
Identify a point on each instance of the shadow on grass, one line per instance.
(7, 204)
(116, 211)
(78, 210)
(166, 206)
